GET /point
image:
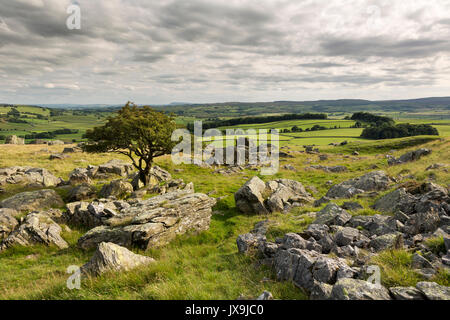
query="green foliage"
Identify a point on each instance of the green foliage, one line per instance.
(396, 268)
(140, 133)
(436, 244)
(372, 118)
(398, 131)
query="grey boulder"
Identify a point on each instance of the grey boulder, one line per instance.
(111, 257)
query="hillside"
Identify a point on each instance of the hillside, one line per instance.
(208, 265)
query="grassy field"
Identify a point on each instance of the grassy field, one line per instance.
(204, 266)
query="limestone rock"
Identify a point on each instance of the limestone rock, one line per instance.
(38, 227)
(249, 198)
(58, 156)
(154, 222)
(80, 176)
(372, 181)
(14, 140)
(111, 257)
(27, 175)
(117, 167)
(55, 142)
(257, 197)
(117, 188)
(266, 295)
(354, 289)
(82, 192)
(406, 293)
(33, 201)
(334, 169)
(434, 291)
(398, 200)
(386, 241)
(8, 222)
(332, 214)
(410, 156)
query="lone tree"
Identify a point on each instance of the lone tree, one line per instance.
(140, 133)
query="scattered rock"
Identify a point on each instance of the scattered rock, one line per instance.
(436, 166)
(257, 197)
(111, 257)
(386, 241)
(8, 222)
(354, 289)
(14, 140)
(117, 189)
(372, 181)
(82, 192)
(38, 177)
(434, 291)
(410, 156)
(58, 156)
(33, 201)
(153, 222)
(352, 206)
(266, 295)
(55, 142)
(398, 200)
(38, 227)
(334, 169)
(72, 150)
(406, 293)
(332, 214)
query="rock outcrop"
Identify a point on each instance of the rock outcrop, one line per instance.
(37, 228)
(408, 157)
(27, 175)
(55, 142)
(354, 289)
(8, 222)
(14, 140)
(111, 257)
(33, 201)
(82, 192)
(257, 197)
(334, 169)
(153, 222)
(372, 181)
(104, 171)
(117, 189)
(304, 259)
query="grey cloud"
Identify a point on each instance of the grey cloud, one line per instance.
(190, 49)
(383, 47)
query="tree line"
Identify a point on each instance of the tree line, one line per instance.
(256, 120)
(398, 131)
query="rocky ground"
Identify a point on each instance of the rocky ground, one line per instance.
(327, 239)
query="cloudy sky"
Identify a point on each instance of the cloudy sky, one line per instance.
(223, 50)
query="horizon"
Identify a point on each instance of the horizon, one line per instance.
(174, 103)
(241, 51)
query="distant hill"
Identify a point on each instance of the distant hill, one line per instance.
(434, 105)
(236, 109)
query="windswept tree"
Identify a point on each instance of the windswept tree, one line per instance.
(140, 133)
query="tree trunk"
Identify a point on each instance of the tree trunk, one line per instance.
(144, 176)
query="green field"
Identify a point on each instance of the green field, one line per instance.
(338, 129)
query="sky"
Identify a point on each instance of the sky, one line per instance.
(158, 52)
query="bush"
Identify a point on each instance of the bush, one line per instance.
(398, 131)
(372, 118)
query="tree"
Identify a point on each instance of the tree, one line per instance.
(140, 133)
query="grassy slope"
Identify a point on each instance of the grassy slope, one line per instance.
(204, 266)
